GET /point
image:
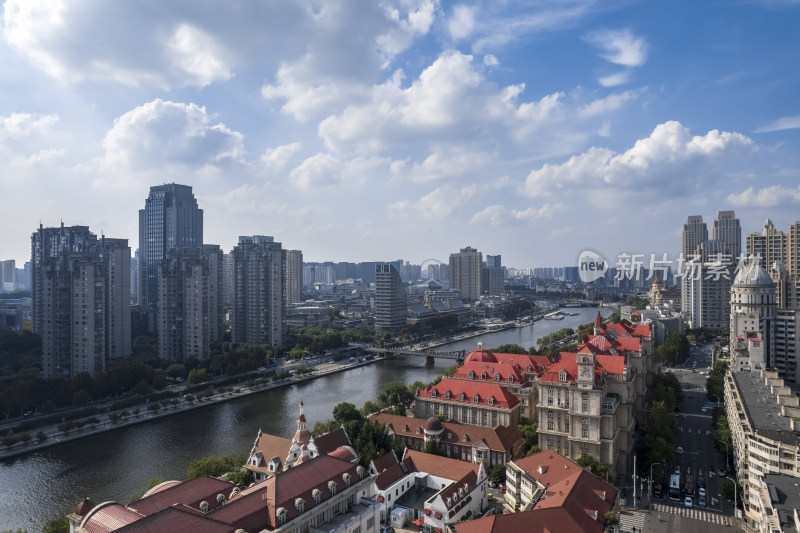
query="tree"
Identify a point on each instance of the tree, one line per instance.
(198, 375)
(415, 387)
(141, 388)
(497, 474)
(597, 468)
(66, 427)
(509, 348)
(370, 408)
(611, 518)
(47, 407)
(530, 432)
(80, 398)
(728, 491)
(56, 525)
(175, 371)
(215, 466)
(159, 380)
(397, 396)
(434, 448)
(344, 412)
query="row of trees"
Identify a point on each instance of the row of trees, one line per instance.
(675, 350)
(660, 430)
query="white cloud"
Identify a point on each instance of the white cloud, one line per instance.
(440, 203)
(612, 80)
(490, 61)
(275, 159)
(317, 171)
(198, 54)
(766, 197)
(500, 215)
(446, 162)
(462, 22)
(170, 133)
(620, 47)
(785, 123)
(604, 105)
(18, 125)
(670, 158)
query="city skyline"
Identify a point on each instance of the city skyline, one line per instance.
(408, 129)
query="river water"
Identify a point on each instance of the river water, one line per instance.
(117, 464)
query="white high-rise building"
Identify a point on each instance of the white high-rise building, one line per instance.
(293, 276)
(465, 273)
(258, 284)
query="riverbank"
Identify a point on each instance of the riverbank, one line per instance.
(56, 437)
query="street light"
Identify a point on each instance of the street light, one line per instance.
(727, 464)
(735, 504)
(650, 491)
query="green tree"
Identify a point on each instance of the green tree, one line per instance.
(175, 371)
(66, 427)
(344, 412)
(215, 466)
(434, 448)
(397, 396)
(728, 493)
(242, 477)
(369, 408)
(47, 407)
(509, 348)
(56, 525)
(597, 468)
(497, 474)
(611, 518)
(416, 386)
(198, 375)
(159, 380)
(530, 432)
(80, 398)
(142, 388)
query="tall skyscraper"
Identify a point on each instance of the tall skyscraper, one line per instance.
(391, 309)
(258, 303)
(170, 219)
(227, 280)
(81, 299)
(189, 310)
(695, 232)
(465, 273)
(293, 276)
(8, 275)
(726, 230)
(492, 276)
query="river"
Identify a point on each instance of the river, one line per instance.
(119, 463)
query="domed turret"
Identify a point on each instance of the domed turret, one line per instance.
(84, 507)
(481, 356)
(753, 275)
(433, 424)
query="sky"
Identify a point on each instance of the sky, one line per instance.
(384, 129)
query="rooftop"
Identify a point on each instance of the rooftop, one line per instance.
(763, 410)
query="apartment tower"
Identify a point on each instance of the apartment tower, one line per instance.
(258, 302)
(465, 273)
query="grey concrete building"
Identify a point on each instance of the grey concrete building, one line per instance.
(465, 273)
(391, 309)
(258, 302)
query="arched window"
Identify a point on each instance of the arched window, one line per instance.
(317, 495)
(497, 377)
(483, 376)
(346, 478)
(511, 379)
(433, 393)
(332, 487)
(447, 395)
(300, 504)
(491, 400)
(474, 398)
(461, 396)
(471, 374)
(361, 472)
(281, 512)
(528, 368)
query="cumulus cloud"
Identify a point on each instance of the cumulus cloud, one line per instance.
(766, 197)
(670, 156)
(490, 61)
(437, 204)
(275, 159)
(447, 161)
(18, 125)
(462, 21)
(450, 97)
(170, 133)
(604, 105)
(620, 47)
(199, 55)
(339, 63)
(785, 123)
(326, 170)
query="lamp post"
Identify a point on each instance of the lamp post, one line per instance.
(727, 464)
(735, 503)
(650, 491)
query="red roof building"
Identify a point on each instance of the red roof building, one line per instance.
(469, 402)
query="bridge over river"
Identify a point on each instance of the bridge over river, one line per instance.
(428, 354)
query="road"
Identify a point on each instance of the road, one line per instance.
(699, 455)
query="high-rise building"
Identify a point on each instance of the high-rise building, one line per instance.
(465, 273)
(8, 275)
(135, 278)
(227, 279)
(391, 309)
(170, 219)
(726, 230)
(258, 303)
(293, 276)
(81, 299)
(492, 276)
(493, 261)
(189, 302)
(753, 309)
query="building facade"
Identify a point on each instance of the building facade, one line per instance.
(293, 276)
(80, 299)
(391, 310)
(465, 273)
(478, 403)
(258, 302)
(170, 219)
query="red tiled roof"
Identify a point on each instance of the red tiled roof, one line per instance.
(332, 440)
(443, 467)
(176, 520)
(493, 372)
(598, 321)
(564, 361)
(189, 493)
(109, 516)
(502, 398)
(555, 520)
(386, 460)
(498, 439)
(389, 476)
(612, 364)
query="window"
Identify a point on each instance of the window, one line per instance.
(346, 478)
(562, 376)
(474, 398)
(497, 377)
(332, 487)
(317, 495)
(300, 504)
(433, 393)
(471, 374)
(461, 396)
(585, 428)
(281, 515)
(490, 401)
(447, 395)
(511, 379)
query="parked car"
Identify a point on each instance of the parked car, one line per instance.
(722, 472)
(679, 450)
(687, 501)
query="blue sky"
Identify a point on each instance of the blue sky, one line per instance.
(403, 128)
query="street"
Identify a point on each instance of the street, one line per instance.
(695, 455)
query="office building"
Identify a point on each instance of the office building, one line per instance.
(170, 219)
(293, 276)
(227, 280)
(8, 276)
(391, 309)
(465, 273)
(258, 302)
(81, 299)
(135, 278)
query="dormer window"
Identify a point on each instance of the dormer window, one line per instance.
(474, 398)
(461, 396)
(361, 472)
(300, 504)
(281, 512)
(433, 393)
(490, 401)
(449, 502)
(471, 374)
(346, 478)
(317, 495)
(511, 379)
(497, 377)
(447, 395)
(332, 487)
(528, 368)
(483, 376)
(562, 376)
